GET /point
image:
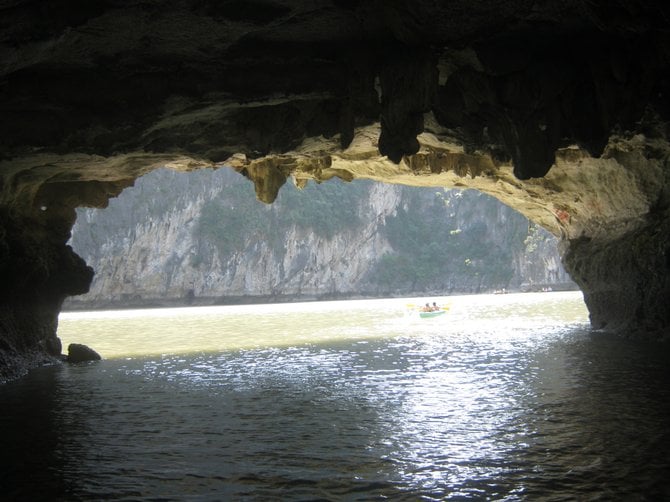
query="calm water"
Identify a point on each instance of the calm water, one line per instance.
(507, 397)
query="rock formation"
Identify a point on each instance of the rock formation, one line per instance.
(80, 353)
(201, 238)
(558, 108)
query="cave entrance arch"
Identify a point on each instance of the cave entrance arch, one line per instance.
(96, 110)
(601, 209)
(610, 214)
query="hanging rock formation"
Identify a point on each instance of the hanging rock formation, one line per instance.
(558, 108)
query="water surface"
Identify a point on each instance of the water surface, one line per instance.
(507, 397)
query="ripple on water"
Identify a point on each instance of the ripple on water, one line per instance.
(496, 408)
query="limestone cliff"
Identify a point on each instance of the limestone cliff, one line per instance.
(166, 252)
(156, 243)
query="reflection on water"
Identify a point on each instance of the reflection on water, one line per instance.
(216, 329)
(505, 398)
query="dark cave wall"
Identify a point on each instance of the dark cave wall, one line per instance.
(38, 271)
(626, 283)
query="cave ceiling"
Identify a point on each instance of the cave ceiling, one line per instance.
(552, 107)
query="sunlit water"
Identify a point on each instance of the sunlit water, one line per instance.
(506, 397)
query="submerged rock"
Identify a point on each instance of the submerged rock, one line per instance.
(78, 353)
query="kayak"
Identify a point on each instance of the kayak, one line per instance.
(413, 310)
(432, 313)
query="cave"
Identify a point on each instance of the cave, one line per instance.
(558, 109)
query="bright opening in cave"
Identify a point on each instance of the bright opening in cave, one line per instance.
(183, 241)
(202, 238)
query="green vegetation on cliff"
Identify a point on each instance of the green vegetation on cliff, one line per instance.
(234, 216)
(443, 239)
(206, 234)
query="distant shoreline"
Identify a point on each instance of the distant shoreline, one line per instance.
(137, 302)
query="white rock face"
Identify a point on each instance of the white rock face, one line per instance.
(156, 258)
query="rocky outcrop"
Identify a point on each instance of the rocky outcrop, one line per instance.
(557, 108)
(38, 271)
(80, 353)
